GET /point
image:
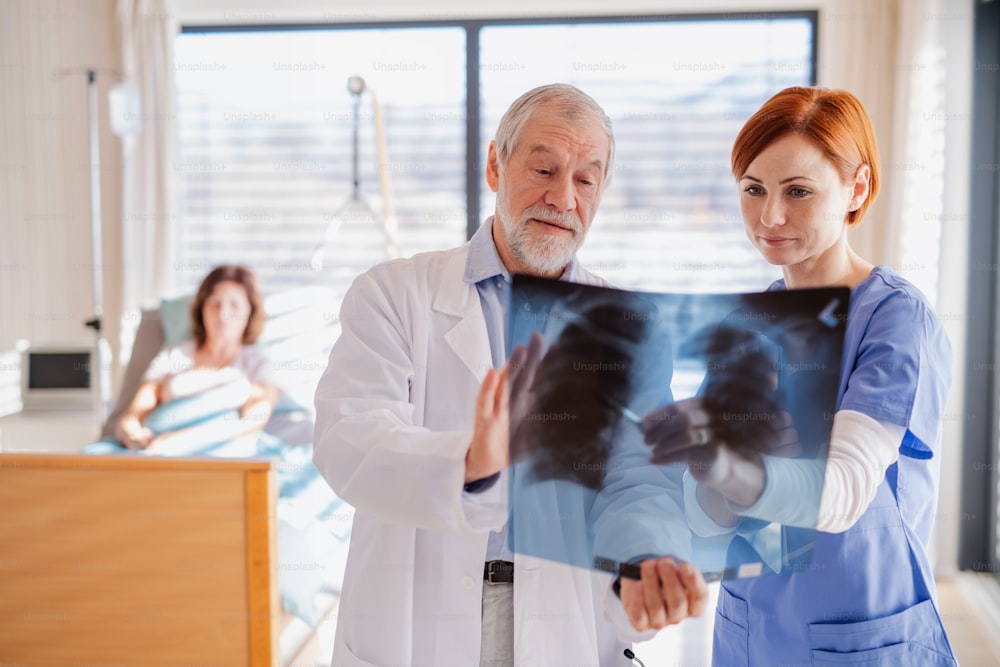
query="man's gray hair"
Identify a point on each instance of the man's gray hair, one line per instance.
(572, 105)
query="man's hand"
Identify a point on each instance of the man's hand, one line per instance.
(489, 452)
(666, 594)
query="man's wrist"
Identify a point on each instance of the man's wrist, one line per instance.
(483, 484)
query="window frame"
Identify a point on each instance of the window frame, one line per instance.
(979, 539)
(473, 138)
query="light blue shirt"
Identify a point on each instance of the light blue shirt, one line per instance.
(486, 271)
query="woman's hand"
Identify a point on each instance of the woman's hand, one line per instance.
(678, 432)
(129, 430)
(681, 432)
(259, 407)
(131, 433)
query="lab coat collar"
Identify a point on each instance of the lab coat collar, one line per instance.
(453, 295)
(456, 298)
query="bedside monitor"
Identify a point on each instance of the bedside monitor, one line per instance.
(59, 376)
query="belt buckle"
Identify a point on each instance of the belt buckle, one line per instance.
(499, 568)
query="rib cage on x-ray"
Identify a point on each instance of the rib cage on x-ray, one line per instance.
(582, 384)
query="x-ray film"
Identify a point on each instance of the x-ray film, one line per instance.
(602, 378)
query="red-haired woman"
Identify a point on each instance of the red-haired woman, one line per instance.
(807, 167)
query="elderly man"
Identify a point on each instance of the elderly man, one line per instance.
(412, 430)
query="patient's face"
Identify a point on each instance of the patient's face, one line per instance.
(226, 311)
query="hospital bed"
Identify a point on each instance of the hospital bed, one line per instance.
(130, 559)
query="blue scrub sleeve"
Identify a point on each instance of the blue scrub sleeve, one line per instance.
(902, 368)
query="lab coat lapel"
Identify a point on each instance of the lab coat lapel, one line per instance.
(467, 337)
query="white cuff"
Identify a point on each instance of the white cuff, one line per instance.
(488, 509)
(699, 521)
(829, 497)
(791, 492)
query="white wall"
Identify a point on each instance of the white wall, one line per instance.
(45, 259)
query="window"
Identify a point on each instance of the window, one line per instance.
(266, 155)
(266, 133)
(677, 93)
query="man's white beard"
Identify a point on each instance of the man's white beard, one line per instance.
(543, 253)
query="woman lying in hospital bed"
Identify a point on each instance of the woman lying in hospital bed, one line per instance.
(213, 395)
(215, 389)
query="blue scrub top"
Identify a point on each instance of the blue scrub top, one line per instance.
(868, 594)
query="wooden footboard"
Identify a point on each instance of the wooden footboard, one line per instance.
(135, 560)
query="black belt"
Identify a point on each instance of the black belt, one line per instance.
(498, 572)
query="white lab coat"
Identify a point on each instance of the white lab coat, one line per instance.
(394, 420)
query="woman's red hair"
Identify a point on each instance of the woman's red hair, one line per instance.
(834, 120)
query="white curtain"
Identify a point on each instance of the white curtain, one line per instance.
(917, 178)
(889, 54)
(858, 52)
(147, 29)
(894, 55)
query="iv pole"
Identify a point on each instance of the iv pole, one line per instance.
(97, 275)
(99, 380)
(387, 221)
(125, 123)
